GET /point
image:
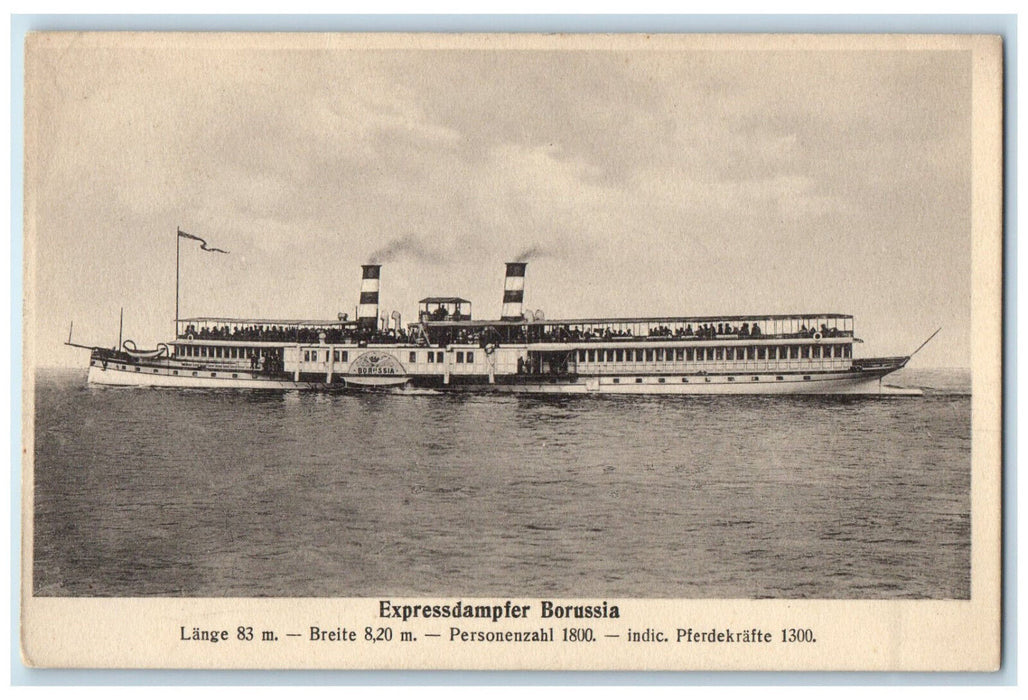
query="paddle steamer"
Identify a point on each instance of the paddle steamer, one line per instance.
(446, 349)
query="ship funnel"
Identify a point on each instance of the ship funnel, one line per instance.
(513, 291)
(367, 310)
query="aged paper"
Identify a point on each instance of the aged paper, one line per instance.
(693, 433)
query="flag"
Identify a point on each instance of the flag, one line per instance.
(203, 243)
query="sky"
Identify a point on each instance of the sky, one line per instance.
(664, 181)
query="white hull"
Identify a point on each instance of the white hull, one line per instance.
(848, 383)
(112, 376)
(840, 383)
(374, 382)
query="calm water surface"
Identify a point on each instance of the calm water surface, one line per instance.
(151, 492)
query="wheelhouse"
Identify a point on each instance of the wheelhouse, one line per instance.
(444, 309)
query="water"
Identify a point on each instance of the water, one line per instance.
(150, 492)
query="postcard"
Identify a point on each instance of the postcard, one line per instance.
(486, 351)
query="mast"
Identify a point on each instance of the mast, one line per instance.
(178, 245)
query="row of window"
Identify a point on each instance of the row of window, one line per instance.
(174, 371)
(714, 354)
(685, 380)
(221, 352)
(438, 357)
(431, 356)
(315, 356)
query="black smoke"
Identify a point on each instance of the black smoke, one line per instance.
(405, 247)
(534, 252)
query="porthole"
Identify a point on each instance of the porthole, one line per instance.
(617, 380)
(756, 379)
(684, 380)
(779, 378)
(214, 374)
(661, 380)
(137, 369)
(155, 371)
(175, 372)
(806, 377)
(731, 379)
(194, 374)
(707, 380)
(235, 376)
(638, 380)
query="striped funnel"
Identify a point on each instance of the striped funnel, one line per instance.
(367, 309)
(513, 291)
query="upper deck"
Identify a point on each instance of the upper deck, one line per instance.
(767, 326)
(458, 329)
(285, 331)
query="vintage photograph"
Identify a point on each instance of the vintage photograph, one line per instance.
(323, 316)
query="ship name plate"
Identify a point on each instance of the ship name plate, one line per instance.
(376, 363)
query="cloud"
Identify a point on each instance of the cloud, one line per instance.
(632, 180)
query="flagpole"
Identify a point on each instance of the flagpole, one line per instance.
(178, 245)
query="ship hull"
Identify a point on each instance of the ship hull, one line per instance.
(365, 382)
(863, 380)
(848, 383)
(114, 376)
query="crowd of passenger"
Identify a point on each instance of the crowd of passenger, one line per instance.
(704, 331)
(360, 335)
(708, 330)
(297, 334)
(441, 314)
(266, 363)
(825, 331)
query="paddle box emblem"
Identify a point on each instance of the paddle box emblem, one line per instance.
(376, 364)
